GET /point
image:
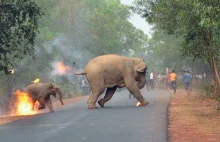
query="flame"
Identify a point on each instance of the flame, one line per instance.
(62, 68)
(11, 71)
(138, 104)
(23, 104)
(36, 80)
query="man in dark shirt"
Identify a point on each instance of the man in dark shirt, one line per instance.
(187, 81)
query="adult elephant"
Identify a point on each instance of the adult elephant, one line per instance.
(113, 71)
(41, 92)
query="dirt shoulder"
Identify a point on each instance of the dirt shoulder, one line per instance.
(56, 104)
(193, 118)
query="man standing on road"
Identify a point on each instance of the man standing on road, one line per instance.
(152, 80)
(162, 84)
(187, 81)
(172, 79)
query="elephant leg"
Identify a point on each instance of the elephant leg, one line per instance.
(42, 103)
(33, 100)
(33, 103)
(49, 104)
(94, 97)
(133, 88)
(108, 95)
(97, 85)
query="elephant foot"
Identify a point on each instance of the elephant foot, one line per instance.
(92, 107)
(145, 103)
(41, 107)
(52, 111)
(101, 103)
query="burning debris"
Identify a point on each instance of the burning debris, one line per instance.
(138, 104)
(23, 104)
(62, 68)
(11, 71)
(36, 80)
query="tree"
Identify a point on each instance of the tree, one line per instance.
(196, 21)
(77, 30)
(209, 14)
(19, 23)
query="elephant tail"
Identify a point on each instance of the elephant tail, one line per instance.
(80, 73)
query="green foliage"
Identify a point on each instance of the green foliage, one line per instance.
(71, 30)
(71, 90)
(19, 23)
(196, 23)
(95, 27)
(192, 20)
(167, 49)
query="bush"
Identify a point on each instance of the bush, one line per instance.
(71, 90)
(206, 88)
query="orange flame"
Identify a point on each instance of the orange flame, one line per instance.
(23, 104)
(62, 68)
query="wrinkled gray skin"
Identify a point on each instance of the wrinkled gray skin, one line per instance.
(112, 72)
(41, 92)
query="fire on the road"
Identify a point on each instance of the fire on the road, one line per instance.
(62, 68)
(138, 104)
(23, 104)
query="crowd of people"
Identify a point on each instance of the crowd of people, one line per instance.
(156, 80)
(168, 81)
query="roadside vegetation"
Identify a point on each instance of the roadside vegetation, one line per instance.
(42, 33)
(36, 35)
(186, 36)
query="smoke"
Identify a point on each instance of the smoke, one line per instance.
(66, 54)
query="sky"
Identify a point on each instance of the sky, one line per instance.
(137, 20)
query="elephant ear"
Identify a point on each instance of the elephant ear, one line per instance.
(51, 85)
(141, 67)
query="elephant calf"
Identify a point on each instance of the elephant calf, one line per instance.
(41, 92)
(112, 72)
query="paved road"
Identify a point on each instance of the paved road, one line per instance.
(119, 121)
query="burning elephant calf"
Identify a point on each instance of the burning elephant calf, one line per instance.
(112, 72)
(41, 92)
(22, 104)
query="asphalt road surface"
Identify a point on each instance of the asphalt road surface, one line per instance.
(119, 121)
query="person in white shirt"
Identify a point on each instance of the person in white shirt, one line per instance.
(152, 80)
(83, 83)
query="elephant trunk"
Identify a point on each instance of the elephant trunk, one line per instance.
(141, 82)
(60, 96)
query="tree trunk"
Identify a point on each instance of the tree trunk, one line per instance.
(218, 106)
(215, 70)
(213, 82)
(212, 51)
(215, 66)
